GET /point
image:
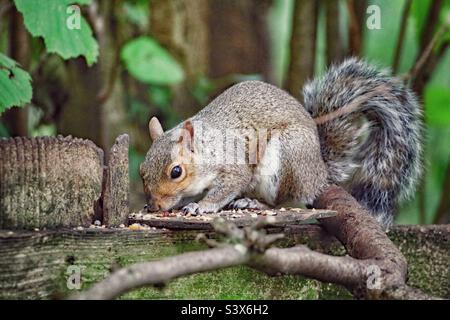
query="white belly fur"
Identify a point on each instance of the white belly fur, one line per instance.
(267, 173)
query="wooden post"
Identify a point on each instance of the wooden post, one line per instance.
(116, 187)
(48, 182)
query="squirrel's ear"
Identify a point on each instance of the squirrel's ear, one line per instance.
(187, 135)
(155, 128)
(189, 128)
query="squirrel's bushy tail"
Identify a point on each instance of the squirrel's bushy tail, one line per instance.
(370, 130)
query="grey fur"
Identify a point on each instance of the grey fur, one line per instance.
(380, 162)
(378, 159)
(249, 105)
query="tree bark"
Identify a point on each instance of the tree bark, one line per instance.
(95, 106)
(303, 45)
(431, 22)
(374, 269)
(356, 12)
(16, 119)
(181, 27)
(335, 48)
(401, 36)
(362, 237)
(427, 58)
(239, 41)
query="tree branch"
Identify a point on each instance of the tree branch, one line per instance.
(356, 10)
(300, 260)
(375, 268)
(401, 36)
(159, 272)
(363, 238)
(430, 24)
(303, 41)
(5, 7)
(424, 57)
(334, 45)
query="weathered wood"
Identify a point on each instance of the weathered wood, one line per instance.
(116, 185)
(48, 181)
(35, 264)
(178, 221)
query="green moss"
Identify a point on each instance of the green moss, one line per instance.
(232, 283)
(238, 283)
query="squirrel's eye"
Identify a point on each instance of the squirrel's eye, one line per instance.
(176, 172)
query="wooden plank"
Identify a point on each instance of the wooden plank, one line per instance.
(35, 265)
(179, 221)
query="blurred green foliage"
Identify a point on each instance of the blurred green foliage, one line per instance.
(137, 12)
(161, 98)
(150, 63)
(14, 83)
(158, 71)
(203, 89)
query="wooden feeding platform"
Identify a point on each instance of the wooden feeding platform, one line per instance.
(39, 264)
(178, 221)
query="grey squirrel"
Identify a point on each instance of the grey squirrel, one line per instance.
(359, 128)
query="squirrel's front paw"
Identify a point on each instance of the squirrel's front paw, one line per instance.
(247, 203)
(192, 208)
(199, 208)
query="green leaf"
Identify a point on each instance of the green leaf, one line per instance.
(51, 19)
(15, 86)
(150, 63)
(437, 105)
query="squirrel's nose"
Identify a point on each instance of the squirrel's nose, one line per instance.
(151, 205)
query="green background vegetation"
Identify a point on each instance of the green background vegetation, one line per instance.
(122, 67)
